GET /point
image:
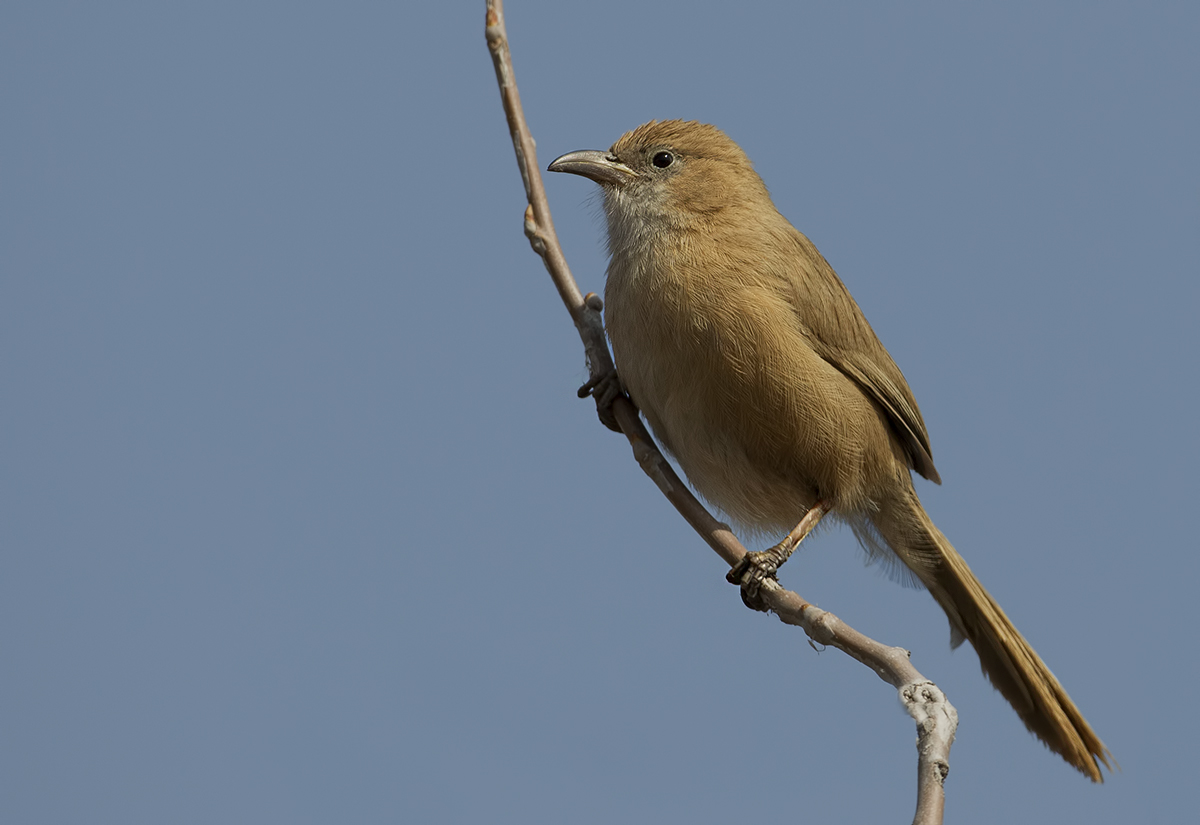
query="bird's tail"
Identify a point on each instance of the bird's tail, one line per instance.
(1008, 661)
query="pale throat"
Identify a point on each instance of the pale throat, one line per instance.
(640, 218)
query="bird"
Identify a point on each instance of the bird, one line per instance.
(759, 373)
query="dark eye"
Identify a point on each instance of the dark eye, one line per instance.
(662, 159)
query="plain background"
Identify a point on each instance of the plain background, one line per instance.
(302, 521)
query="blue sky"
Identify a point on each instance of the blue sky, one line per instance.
(301, 521)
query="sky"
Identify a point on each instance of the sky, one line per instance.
(301, 520)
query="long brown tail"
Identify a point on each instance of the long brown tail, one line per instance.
(1007, 659)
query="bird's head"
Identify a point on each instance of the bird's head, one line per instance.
(667, 175)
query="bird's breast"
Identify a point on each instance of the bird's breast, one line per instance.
(719, 365)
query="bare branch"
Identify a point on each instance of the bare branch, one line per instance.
(936, 718)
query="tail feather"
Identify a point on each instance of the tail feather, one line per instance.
(1008, 661)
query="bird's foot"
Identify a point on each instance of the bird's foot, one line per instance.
(605, 389)
(755, 568)
(758, 566)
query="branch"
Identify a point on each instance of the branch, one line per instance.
(935, 717)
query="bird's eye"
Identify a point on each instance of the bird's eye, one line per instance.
(662, 159)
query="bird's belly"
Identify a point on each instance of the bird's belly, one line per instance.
(760, 434)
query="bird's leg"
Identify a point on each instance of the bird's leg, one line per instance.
(605, 388)
(760, 565)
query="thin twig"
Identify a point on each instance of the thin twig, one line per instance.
(936, 718)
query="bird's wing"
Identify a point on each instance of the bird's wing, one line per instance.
(846, 341)
(896, 400)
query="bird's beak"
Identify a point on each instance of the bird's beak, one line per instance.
(601, 167)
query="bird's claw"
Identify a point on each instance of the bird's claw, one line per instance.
(755, 568)
(605, 389)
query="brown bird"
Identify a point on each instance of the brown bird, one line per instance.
(760, 374)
